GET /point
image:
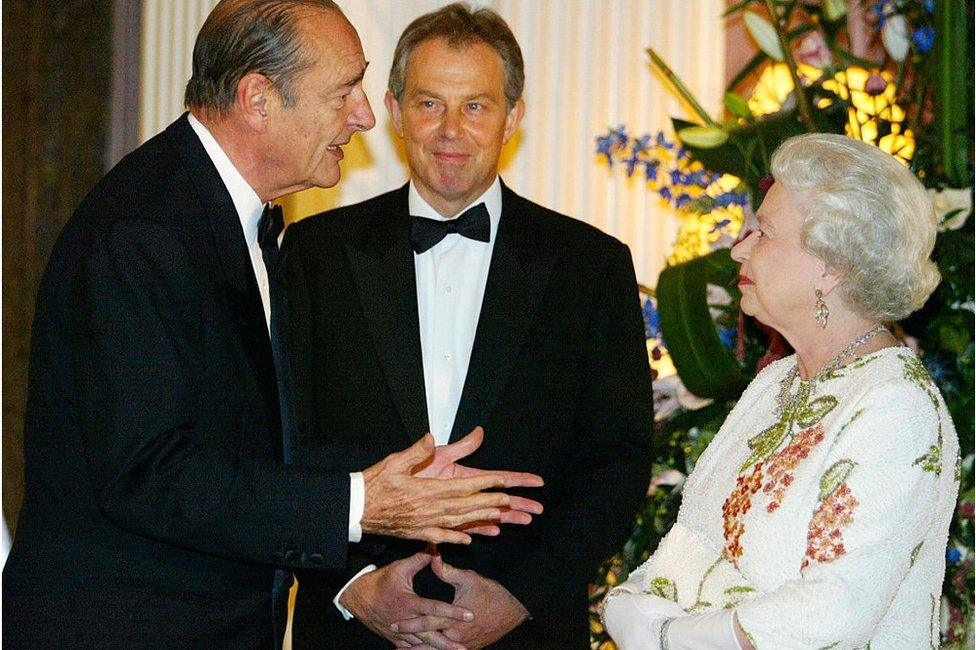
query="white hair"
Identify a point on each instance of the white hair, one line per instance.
(865, 215)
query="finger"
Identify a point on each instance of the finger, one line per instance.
(422, 624)
(525, 505)
(407, 641)
(440, 609)
(515, 517)
(404, 461)
(446, 572)
(437, 535)
(486, 530)
(463, 447)
(440, 641)
(455, 487)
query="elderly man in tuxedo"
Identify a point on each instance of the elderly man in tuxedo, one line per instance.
(160, 499)
(453, 302)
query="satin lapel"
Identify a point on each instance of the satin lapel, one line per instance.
(228, 238)
(521, 264)
(381, 261)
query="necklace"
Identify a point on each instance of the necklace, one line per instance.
(786, 402)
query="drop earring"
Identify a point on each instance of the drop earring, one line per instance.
(820, 311)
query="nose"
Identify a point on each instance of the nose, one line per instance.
(740, 252)
(450, 124)
(361, 117)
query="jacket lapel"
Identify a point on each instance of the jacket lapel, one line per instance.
(382, 264)
(235, 261)
(521, 264)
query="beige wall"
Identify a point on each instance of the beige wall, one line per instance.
(585, 70)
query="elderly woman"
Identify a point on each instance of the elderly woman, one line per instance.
(818, 517)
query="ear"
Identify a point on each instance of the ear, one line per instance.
(393, 108)
(513, 119)
(829, 280)
(255, 99)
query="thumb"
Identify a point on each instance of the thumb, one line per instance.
(465, 446)
(415, 454)
(445, 571)
(409, 566)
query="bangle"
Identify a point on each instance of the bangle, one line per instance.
(663, 636)
(613, 593)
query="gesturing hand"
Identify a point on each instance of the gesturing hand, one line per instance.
(444, 465)
(496, 611)
(402, 502)
(380, 597)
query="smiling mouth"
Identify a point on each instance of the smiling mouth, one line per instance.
(335, 150)
(744, 280)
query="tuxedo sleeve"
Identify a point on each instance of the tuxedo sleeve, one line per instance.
(612, 461)
(163, 464)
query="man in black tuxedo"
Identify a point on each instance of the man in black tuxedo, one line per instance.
(508, 316)
(159, 500)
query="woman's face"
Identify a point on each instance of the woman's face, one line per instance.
(778, 277)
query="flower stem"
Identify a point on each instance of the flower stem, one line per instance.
(802, 101)
(680, 87)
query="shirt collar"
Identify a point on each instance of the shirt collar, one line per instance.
(246, 200)
(492, 198)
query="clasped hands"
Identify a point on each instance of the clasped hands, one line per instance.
(482, 611)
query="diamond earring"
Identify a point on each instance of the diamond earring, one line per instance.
(820, 311)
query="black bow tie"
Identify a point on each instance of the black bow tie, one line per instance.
(473, 224)
(270, 225)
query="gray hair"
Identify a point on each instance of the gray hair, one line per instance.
(244, 36)
(865, 215)
(460, 26)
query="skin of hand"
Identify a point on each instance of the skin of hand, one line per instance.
(497, 611)
(444, 465)
(402, 503)
(385, 595)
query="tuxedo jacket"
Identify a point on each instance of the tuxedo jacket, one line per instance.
(558, 378)
(156, 504)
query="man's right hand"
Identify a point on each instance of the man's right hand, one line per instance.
(401, 502)
(381, 597)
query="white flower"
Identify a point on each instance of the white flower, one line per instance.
(894, 34)
(952, 206)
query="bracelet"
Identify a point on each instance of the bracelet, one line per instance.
(613, 593)
(663, 636)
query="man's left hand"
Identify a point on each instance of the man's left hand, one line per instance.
(497, 611)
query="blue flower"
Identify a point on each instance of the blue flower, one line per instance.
(641, 145)
(652, 320)
(677, 178)
(953, 556)
(728, 336)
(929, 6)
(663, 141)
(721, 224)
(880, 12)
(924, 38)
(632, 162)
(650, 169)
(681, 200)
(665, 193)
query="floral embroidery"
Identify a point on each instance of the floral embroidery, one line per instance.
(736, 594)
(735, 508)
(663, 588)
(825, 537)
(931, 461)
(783, 462)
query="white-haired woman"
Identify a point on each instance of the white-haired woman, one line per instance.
(818, 517)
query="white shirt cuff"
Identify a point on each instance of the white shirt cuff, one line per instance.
(357, 504)
(346, 614)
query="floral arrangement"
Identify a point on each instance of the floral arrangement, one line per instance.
(914, 99)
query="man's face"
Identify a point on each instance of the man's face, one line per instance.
(306, 138)
(454, 121)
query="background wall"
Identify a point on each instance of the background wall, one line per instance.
(585, 70)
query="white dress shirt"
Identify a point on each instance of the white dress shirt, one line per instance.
(249, 209)
(451, 280)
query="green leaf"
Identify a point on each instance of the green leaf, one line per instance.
(725, 159)
(737, 7)
(813, 412)
(834, 476)
(764, 444)
(706, 367)
(663, 588)
(764, 34)
(703, 137)
(737, 105)
(746, 70)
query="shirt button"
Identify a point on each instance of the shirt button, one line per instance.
(448, 289)
(447, 355)
(444, 427)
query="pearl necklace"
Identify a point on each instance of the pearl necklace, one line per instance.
(785, 402)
